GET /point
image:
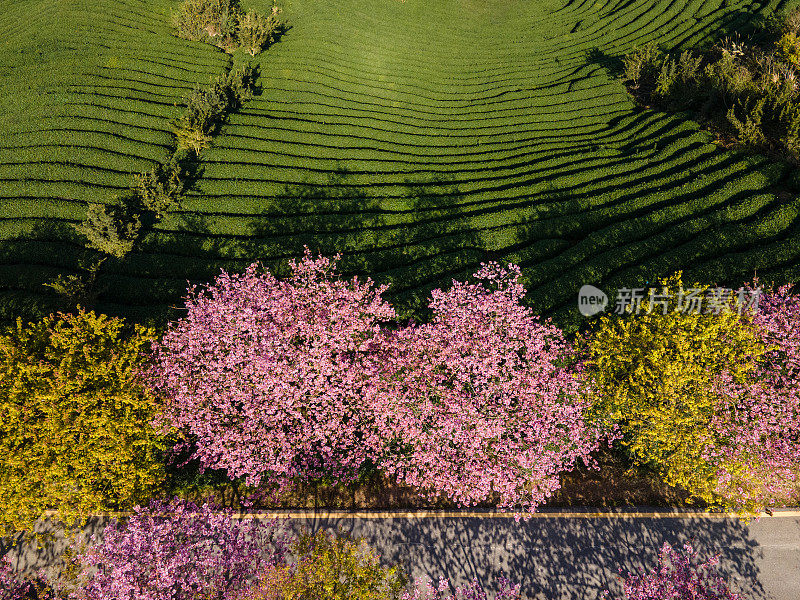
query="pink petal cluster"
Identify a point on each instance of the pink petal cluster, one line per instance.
(11, 588)
(178, 551)
(676, 578)
(267, 375)
(483, 401)
(425, 590)
(760, 421)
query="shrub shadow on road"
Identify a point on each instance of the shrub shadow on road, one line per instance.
(554, 558)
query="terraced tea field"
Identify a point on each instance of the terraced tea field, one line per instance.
(417, 138)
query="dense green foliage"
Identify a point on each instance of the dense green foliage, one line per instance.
(203, 20)
(159, 189)
(207, 106)
(75, 423)
(224, 24)
(742, 87)
(415, 140)
(111, 229)
(257, 31)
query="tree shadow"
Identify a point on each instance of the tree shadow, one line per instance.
(28, 555)
(277, 37)
(613, 64)
(417, 240)
(552, 558)
(44, 251)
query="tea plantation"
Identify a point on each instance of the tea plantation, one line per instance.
(417, 138)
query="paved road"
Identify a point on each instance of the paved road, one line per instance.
(560, 556)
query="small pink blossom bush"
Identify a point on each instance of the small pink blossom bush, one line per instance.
(675, 577)
(760, 421)
(178, 551)
(425, 590)
(11, 588)
(267, 375)
(484, 400)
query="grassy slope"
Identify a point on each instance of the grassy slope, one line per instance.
(418, 138)
(88, 89)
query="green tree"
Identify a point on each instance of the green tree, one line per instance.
(112, 229)
(160, 190)
(788, 48)
(207, 20)
(78, 289)
(256, 30)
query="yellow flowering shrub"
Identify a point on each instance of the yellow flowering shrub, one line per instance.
(75, 433)
(653, 374)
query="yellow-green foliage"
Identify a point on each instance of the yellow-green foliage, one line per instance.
(257, 30)
(75, 431)
(191, 139)
(653, 375)
(329, 567)
(788, 48)
(207, 19)
(642, 62)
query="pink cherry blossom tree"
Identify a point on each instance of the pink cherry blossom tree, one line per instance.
(178, 551)
(298, 378)
(267, 375)
(758, 424)
(485, 401)
(11, 587)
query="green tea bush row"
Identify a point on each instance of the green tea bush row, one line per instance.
(224, 24)
(746, 90)
(206, 107)
(113, 229)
